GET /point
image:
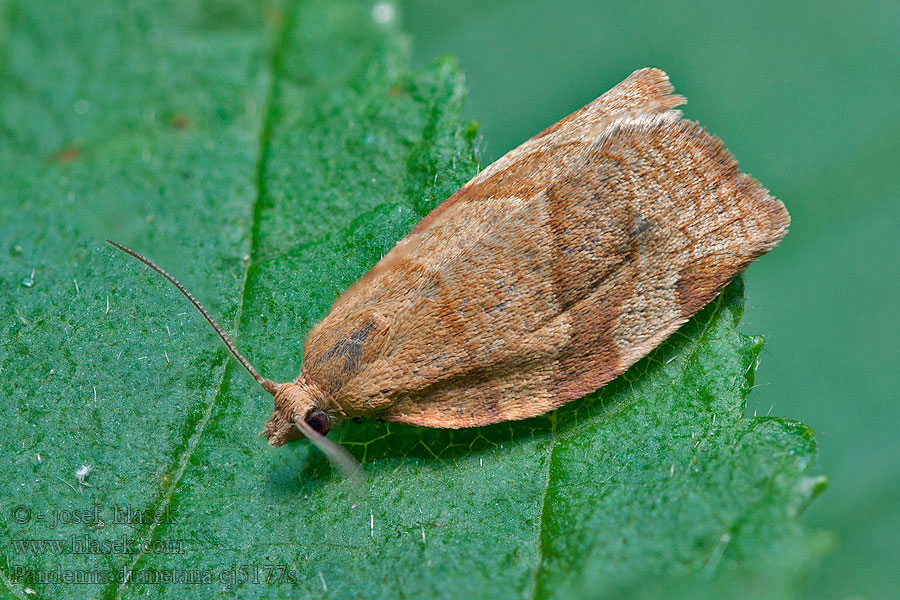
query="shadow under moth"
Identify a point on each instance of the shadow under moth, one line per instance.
(543, 278)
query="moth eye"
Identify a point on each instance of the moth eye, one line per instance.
(320, 422)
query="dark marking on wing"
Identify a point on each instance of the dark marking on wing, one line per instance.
(351, 348)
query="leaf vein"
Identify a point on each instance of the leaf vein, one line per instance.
(274, 70)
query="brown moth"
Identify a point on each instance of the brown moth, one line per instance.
(543, 278)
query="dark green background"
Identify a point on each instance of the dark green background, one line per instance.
(805, 94)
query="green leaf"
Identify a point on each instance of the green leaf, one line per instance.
(284, 148)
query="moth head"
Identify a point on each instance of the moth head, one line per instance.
(300, 412)
(296, 402)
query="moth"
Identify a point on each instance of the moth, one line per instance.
(543, 278)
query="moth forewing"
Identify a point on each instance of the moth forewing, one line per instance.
(555, 268)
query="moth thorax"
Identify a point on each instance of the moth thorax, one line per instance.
(294, 400)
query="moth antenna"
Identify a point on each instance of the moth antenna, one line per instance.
(267, 384)
(338, 456)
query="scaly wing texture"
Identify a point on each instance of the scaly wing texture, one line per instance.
(551, 272)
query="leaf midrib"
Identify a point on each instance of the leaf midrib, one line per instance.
(114, 591)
